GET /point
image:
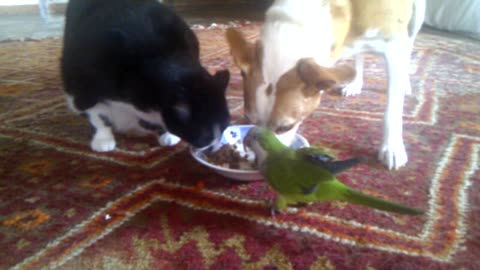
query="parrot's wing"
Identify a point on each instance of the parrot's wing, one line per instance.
(292, 176)
(315, 154)
(321, 159)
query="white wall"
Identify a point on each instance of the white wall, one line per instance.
(17, 2)
(454, 15)
(26, 2)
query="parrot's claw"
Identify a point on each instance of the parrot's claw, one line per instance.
(273, 208)
(274, 211)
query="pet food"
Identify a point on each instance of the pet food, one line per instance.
(229, 156)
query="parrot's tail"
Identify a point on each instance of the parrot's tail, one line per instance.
(357, 197)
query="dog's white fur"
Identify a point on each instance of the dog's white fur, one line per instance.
(298, 29)
(286, 43)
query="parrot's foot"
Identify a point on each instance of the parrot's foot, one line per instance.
(274, 208)
(277, 205)
(289, 210)
(300, 204)
(272, 212)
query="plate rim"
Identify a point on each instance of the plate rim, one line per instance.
(196, 152)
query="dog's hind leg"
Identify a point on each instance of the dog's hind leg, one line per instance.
(414, 26)
(397, 54)
(355, 87)
(418, 17)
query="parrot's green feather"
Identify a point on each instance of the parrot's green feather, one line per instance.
(308, 175)
(357, 197)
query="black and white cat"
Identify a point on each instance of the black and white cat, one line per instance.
(134, 64)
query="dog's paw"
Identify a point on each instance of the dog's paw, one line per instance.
(393, 156)
(103, 143)
(168, 139)
(354, 88)
(408, 88)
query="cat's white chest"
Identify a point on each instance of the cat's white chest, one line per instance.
(126, 117)
(122, 117)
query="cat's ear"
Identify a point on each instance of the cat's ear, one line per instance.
(222, 78)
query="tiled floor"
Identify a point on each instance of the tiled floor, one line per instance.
(14, 27)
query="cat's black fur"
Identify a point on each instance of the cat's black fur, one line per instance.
(142, 53)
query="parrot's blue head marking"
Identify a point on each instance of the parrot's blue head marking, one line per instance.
(259, 140)
(250, 137)
(257, 134)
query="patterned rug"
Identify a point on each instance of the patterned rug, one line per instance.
(148, 207)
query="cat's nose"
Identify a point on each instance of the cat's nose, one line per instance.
(217, 132)
(203, 139)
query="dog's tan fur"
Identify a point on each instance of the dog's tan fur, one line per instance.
(390, 17)
(297, 96)
(297, 93)
(355, 25)
(342, 19)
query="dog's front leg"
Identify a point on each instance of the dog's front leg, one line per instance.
(397, 54)
(355, 87)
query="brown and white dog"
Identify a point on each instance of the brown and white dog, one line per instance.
(285, 72)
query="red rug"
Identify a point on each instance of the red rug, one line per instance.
(147, 207)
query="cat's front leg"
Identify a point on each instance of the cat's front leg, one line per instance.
(165, 138)
(103, 139)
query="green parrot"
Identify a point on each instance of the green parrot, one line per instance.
(305, 175)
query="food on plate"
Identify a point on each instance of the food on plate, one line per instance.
(232, 156)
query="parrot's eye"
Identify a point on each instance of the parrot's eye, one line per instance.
(283, 129)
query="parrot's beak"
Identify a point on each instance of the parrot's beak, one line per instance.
(252, 141)
(249, 138)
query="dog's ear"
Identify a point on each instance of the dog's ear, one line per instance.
(242, 52)
(323, 78)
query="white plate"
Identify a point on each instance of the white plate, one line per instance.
(230, 133)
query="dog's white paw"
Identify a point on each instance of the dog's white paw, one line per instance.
(393, 156)
(168, 139)
(103, 143)
(408, 88)
(354, 88)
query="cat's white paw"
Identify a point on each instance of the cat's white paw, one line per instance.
(103, 140)
(103, 143)
(354, 88)
(168, 139)
(393, 156)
